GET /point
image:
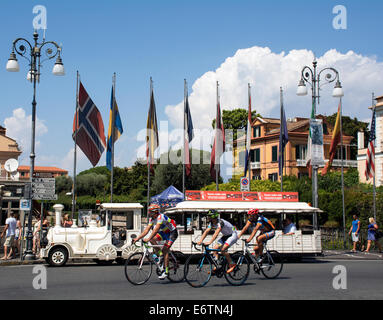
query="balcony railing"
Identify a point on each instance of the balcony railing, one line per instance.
(346, 163)
(335, 163)
(255, 165)
(4, 176)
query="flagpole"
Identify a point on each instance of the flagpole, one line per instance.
(216, 143)
(281, 158)
(249, 159)
(342, 169)
(183, 165)
(113, 136)
(75, 152)
(149, 158)
(374, 192)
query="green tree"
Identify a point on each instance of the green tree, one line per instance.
(63, 184)
(171, 174)
(91, 184)
(235, 119)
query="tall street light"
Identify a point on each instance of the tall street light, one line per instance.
(33, 53)
(313, 78)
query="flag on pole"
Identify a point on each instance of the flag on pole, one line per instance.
(116, 126)
(152, 141)
(219, 143)
(309, 143)
(188, 137)
(248, 137)
(90, 135)
(283, 138)
(370, 161)
(334, 143)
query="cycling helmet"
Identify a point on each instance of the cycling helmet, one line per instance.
(154, 208)
(253, 213)
(213, 214)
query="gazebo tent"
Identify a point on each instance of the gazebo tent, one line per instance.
(168, 198)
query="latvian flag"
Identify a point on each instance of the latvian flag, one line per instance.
(370, 161)
(90, 135)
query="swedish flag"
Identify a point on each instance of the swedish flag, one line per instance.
(115, 125)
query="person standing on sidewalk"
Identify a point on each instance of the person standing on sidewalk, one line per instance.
(10, 228)
(354, 231)
(371, 235)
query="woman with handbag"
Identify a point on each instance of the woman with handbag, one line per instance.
(372, 235)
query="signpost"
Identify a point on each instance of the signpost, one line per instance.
(245, 184)
(44, 189)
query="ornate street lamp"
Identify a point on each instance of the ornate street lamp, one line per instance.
(33, 53)
(312, 77)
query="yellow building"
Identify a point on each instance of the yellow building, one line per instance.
(265, 149)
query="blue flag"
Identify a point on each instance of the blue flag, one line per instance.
(116, 126)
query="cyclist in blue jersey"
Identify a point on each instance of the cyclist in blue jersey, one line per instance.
(229, 237)
(260, 223)
(164, 229)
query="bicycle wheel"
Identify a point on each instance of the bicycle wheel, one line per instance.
(241, 271)
(138, 268)
(272, 264)
(199, 273)
(176, 269)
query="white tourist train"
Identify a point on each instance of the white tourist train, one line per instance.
(106, 236)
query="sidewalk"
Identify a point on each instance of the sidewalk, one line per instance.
(349, 255)
(17, 262)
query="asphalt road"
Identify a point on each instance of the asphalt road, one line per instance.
(310, 280)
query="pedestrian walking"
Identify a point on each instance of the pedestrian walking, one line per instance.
(355, 231)
(372, 235)
(17, 233)
(10, 228)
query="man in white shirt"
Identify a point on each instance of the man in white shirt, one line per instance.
(289, 228)
(10, 228)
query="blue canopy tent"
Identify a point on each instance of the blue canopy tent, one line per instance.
(168, 198)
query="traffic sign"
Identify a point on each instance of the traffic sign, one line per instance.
(43, 180)
(25, 205)
(45, 197)
(44, 189)
(245, 184)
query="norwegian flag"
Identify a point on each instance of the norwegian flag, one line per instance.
(370, 161)
(89, 135)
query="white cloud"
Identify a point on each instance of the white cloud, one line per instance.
(19, 128)
(267, 71)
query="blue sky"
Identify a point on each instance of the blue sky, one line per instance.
(170, 41)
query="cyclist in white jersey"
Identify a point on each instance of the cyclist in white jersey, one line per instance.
(229, 236)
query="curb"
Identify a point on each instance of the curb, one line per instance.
(20, 263)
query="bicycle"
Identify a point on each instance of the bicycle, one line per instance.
(139, 266)
(199, 275)
(270, 264)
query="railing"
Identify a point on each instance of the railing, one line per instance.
(5, 176)
(332, 239)
(255, 165)
(301, 163)
(335, 163)
(346, 163)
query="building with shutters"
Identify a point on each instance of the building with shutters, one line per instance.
(265, 149)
